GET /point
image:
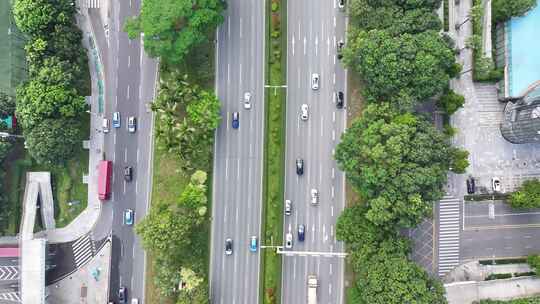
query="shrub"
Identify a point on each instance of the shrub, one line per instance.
(527, 196)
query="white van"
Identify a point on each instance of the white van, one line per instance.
(134, 301)
(105, 125)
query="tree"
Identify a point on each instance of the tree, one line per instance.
(398, 163)
(37, 17)
(504, 10)
(527, 196)
(172, 27)
(49, 94)
(534, 262)
(459, 162)
(7, 105)
(393, 279)
(397, 67)
(195, 289)
(450, 102)
(53, 141)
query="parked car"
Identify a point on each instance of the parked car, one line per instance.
(235, 120)
(247, 100)
(496, 183)
(105, 125)
(228, 246)
(288, 207)
(128, 173)
(122, 295)
(315, 81)
(288, 240)
(128, 217)
(340, 46)
(116, 121)
(301, 233)
(299, 166)
(253, 244)
(132, 124)
(470, 185)
(304, 115)
(340, 100)
(314, 196)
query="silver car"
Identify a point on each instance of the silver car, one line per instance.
(314, 196)
(288, 240)
(315, 81)
(247, 100)
(288, 207)
(304, 112)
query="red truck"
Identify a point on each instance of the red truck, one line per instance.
(104, 179)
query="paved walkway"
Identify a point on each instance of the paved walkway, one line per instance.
(468, 292)
(82, 286)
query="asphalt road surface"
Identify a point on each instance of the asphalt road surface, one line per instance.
(314, 28)
(130, 78)
(237, 190)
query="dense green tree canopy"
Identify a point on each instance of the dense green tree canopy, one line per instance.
(527, 196)
(398, 163)
(172, 27)
(396, 67)
(38, 17)
(503, 10)
(392, 279)
(49, 94)
(7, 105)
(53, 141)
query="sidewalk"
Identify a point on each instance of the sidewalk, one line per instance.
(85, 221)
(90, 284)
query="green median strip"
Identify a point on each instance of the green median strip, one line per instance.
(274, 149)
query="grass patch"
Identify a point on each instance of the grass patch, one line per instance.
(446, 15)
(274, 149)
(67, 184)
(533, 300)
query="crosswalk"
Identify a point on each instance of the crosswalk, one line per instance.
(449, 211)
(83, 250)
(92, 3)
(10, 296)
(9, 273)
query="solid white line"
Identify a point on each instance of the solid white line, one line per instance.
(238, 172)
(225, 215)
(316, 45)
(320, 173)
(334, 78)
(137, 187)
(240, 72)
(116, 100)
(331, 230)
(138, 154)
(229, 27)
(114, 139)
(322, 119)
(129, 61)
(334, 59)
(125, 155)
(294, 268)
(334, 116)
(333, 173)
(228, 73)
(332, 191)
(127, 92)
(334, 21)
(328, 45)
(226, 169)
(332, 211)
(124, 187)
(292, 42)
(330, 268)
(240, 27)
(333, 135)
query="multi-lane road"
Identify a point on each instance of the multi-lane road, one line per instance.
(314, 27)
(130, 78)
(238, 163)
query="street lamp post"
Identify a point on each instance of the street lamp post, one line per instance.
(458, 25)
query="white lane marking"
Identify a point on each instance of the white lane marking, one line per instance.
(240, 75)
(333, 152)
(228, 73)
(334, 21)
(240, 27)
(227, 120)
(328, 45)
(312, 233)
(125, 155)
(250, 150)
(333, 135)
(316, 45)
(229, 27)
(294, 268)
(138, 154)
(334, 59)
(124, 187)
(334, 116)
(292, 41)
(298, 126)
(299, 77)
(305, 41)
(331, 268)
(332, 211)
(334, 78)
(322, 121)
(333, 173)
(335, 41)
(127, 92)
(226, 169)
(238, 168)
(130, 4)
(325, 237)
(318, 266)
(114, 139)
(116, 100)
(129, 61)
(331, 230)
(137, 187)
(330, 289)
(120, 276)
(332, 191)
(320, 173)
(225, 214)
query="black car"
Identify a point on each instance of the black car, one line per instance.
(340, 100)
(122, 295)
(228, 246)
(128, 174)
(301, 233)
(299, 166)
(340, 46)
(470, 185)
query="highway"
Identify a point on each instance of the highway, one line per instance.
(130, 78)
(238, 155)
(314, 28)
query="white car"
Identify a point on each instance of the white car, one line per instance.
(288, 240)
(288, 207)
(247, 100)
(304, 112)
(314, 196)
(496, 183)
(315, 81)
